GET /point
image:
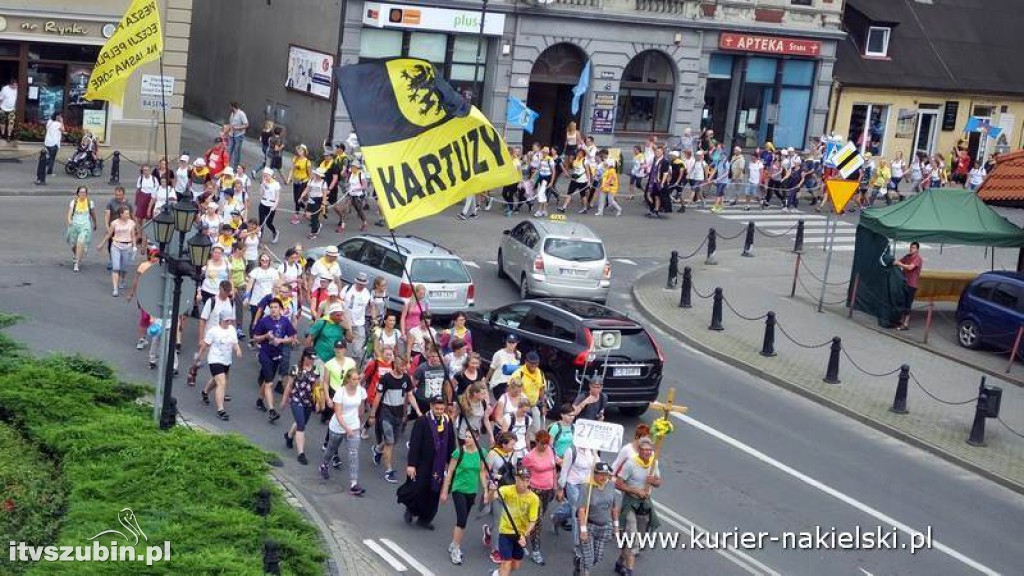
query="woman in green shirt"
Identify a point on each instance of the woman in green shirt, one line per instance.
(463, 479)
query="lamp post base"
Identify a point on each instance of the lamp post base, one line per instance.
(169, 413)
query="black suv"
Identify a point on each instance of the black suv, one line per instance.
(577, 340)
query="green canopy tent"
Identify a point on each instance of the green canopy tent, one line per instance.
(943, 215)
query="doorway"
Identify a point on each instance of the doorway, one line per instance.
(552, 78)
(924, 139)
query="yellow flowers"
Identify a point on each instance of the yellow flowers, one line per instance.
(660, 428)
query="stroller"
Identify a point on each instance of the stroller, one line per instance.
(84, 163)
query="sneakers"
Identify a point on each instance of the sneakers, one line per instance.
(115, 293)
(141, 344)
(364, 434)
(77, 268)
(277, 234)
(537, 557)
(223, 415)
(486, 528)
(335, 461)
(260, 405)
(389, 477)
(356, 490)
(302, 458)
(583, 210)
(324, 472)
(487, 206)
(288, 441)
(462, 216)
(206, 400)
(455, 553)
(495, 557)
(273, 416)
(377, 455)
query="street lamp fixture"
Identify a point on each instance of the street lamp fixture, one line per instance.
(164, 224)
(199, 248)
(184, 214)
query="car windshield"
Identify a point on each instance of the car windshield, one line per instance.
(574, 250)
(439, 270)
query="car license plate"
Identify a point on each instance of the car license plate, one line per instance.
(626, 372)
(572, 272)
(443, 294)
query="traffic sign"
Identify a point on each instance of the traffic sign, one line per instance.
(840, 192)
(847, 160)
(595, 435)
(150, 294)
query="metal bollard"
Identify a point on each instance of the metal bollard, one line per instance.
(716, 311)
(977, 437)
(768, 345)
(832, 372)
(262, 506)
(271, 557)
(748, 242)
(712, 247)
(673, 270)
(798, 245)
(685, 294)
(41, 168)
(899, 402)
(115, 168)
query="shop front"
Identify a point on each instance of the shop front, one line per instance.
(762, 89)
(52, 60)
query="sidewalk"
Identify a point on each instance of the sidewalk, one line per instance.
(754, 286)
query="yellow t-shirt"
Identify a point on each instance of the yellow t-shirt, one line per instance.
(610, 181)
(300, 169)
(336, 372)
(533, 383)
(524, 508)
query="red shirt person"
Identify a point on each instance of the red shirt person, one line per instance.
(217, 158)
(911, 265)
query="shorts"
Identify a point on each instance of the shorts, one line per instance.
(635, 523)
(509, 548)
(720, 189)
(218, 369)
(120, 257)
(270, 368)
(144, 319)
(390, 424)
(635, 180)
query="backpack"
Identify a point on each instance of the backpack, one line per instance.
(506, 473)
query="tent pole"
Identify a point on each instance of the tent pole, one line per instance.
(1020, 260)
(828, 258)
(993, 258)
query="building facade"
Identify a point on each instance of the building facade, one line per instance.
(752, 70)
(50, 47)
(907, 81)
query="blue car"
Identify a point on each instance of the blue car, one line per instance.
(991, 310)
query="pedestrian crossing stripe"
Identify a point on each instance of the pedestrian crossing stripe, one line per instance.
(847, 160)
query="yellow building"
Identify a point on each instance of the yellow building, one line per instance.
(50, 46)
(907, 81)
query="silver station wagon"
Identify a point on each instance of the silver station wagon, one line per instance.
(555, 258)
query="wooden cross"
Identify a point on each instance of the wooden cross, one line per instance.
(667, 408)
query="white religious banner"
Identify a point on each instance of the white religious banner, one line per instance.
(595, 435)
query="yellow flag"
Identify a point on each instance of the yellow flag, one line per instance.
(424, 146)
(138, 40)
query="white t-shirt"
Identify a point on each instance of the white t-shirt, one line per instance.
(147, 184)
(755, 168)
(263, 283)
(350, 406)
(181, 180)
(977, 176)
(222, 342)
(53, 133)
(252, 245)
(418, 338)
(164, 195)
(500, 358)
(214, 307)
(270, 193)
(898, 167)
(324, 269)
(357, 185)
(357, 301)
(315, 190)
(8, 98)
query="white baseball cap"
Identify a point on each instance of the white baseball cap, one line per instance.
(184, 158)
(200, 162)
(228, 170)
(268, 171)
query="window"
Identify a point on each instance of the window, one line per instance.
(868, 123)
(802, 2)
(428, 46)
(465, 73)
(511, 316)
(350, 250)
(549, 325)
(574, 250)
(374, 44)
(982, 289)
(877, 42)
(646, 94)
(438, 271)
(1005, 295)
(393, 264)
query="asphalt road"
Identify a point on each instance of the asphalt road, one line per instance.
(749, 457)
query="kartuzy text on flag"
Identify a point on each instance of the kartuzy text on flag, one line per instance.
(424, 146)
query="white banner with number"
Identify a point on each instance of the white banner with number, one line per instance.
(600, 436)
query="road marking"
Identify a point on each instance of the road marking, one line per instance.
(755, 217)
(878, 515)
(492, 262)
(407, 557)
(625, 261)
(866, 573)
(472, 264)
(385, 555)
(737, 557)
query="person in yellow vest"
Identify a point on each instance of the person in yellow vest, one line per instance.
(298, 177)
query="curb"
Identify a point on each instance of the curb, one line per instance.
(883, 427)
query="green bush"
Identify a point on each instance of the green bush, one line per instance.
(32, 492)
(195, 490)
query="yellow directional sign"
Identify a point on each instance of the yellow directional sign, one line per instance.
(840, 192)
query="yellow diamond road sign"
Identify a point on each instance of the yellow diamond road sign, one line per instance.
(847, 160)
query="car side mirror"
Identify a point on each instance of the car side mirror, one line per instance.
(506, 232)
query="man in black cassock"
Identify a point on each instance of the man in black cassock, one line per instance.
(430, 446)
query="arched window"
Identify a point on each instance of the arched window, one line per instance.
(646, 94)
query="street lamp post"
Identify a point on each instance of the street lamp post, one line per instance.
(186, 261)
